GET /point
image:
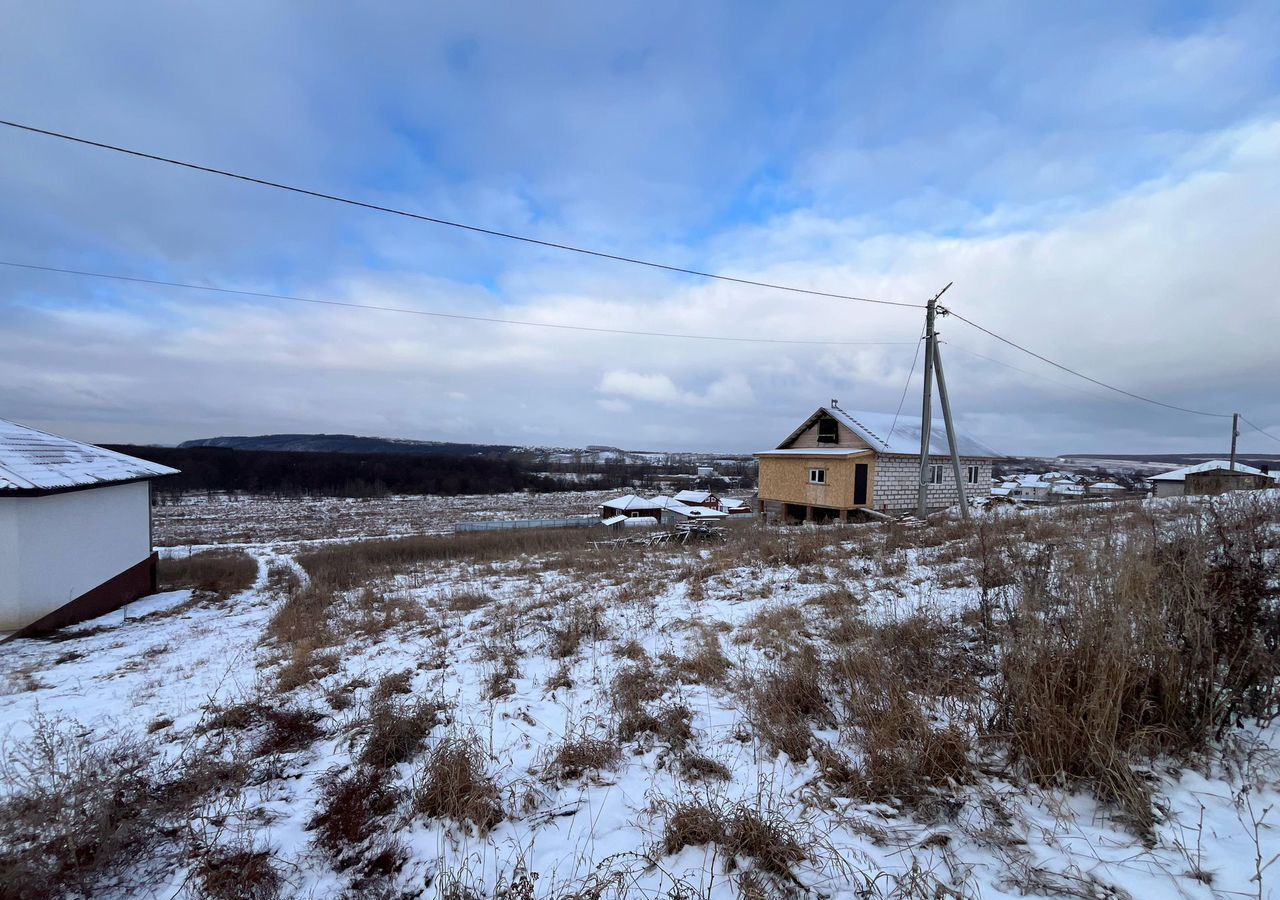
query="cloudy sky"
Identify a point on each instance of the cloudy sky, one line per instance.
(1101, 182)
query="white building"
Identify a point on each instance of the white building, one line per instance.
(75, 529)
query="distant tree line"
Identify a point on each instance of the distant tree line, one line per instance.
(287, 473)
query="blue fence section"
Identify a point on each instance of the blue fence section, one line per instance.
(511, 524)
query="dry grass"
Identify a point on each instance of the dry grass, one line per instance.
(453, 784)
(237, 872)
(704, 663)
(579, 755)
(303, 618)
(306, 665)
(697, 767)
(221, 572)
(575, 623)
(776, 629)
(1139, 643)
(350, 805)
(78, 812)
(670, 724)
(397, 731)
(767, 839)
(391, 685)
(784, 702)
(348, 565)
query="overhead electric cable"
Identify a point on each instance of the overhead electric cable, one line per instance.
(442, 315)
(1260, 430)
(987, 331)
(452, 224)
(1044, 378)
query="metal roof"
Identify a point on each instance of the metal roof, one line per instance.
(34, 460)
(1211, 466)
(898, 435)
(630, 501)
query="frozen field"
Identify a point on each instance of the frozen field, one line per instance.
(220, 519)
(869, 712)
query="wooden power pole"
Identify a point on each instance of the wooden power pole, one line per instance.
(1235, 433)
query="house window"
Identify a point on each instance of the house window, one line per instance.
(817, 476)
(935, 474)
(971, 475)
(828, 431)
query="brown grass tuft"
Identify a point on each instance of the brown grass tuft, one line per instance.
(453, 784)
(767, 839)
(579, 755)
(237, 872)
(785, 702)
(221, 572)
(397, 731)
(350, 805)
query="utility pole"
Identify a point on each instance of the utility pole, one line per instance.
(926, 415)
(951, 428)
(1235, 433)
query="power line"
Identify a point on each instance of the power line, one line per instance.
(1045, 378)
(1260, 430)
(442, 315)
(452, 224)
(1196, 412)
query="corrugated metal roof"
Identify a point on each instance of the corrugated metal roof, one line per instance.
(628, 502)
(31, 459)
(1210, 466)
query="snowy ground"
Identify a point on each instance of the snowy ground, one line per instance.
(524, 654)
(198, 519)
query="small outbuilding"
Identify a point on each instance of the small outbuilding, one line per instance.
(75, 529)
(631, 506)
(1179, 481)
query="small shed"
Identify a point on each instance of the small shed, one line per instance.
(1219, 481)
(1175, 484)
(678, 513)
(75, 529)
(631, 506)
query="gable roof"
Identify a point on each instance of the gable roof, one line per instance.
(697, 512)
(693, 496)
(630, 501)
(901, 437)
(34, 460)
(1210, 466)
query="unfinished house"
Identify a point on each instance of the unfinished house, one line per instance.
(838, 462)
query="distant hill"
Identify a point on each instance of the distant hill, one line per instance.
(351, 443)
(547, 458)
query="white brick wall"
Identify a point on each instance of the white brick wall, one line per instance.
(897, 482)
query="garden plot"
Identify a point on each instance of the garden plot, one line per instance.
(1073, 703)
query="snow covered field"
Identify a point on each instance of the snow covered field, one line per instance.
(198, 520)
(782, 714)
